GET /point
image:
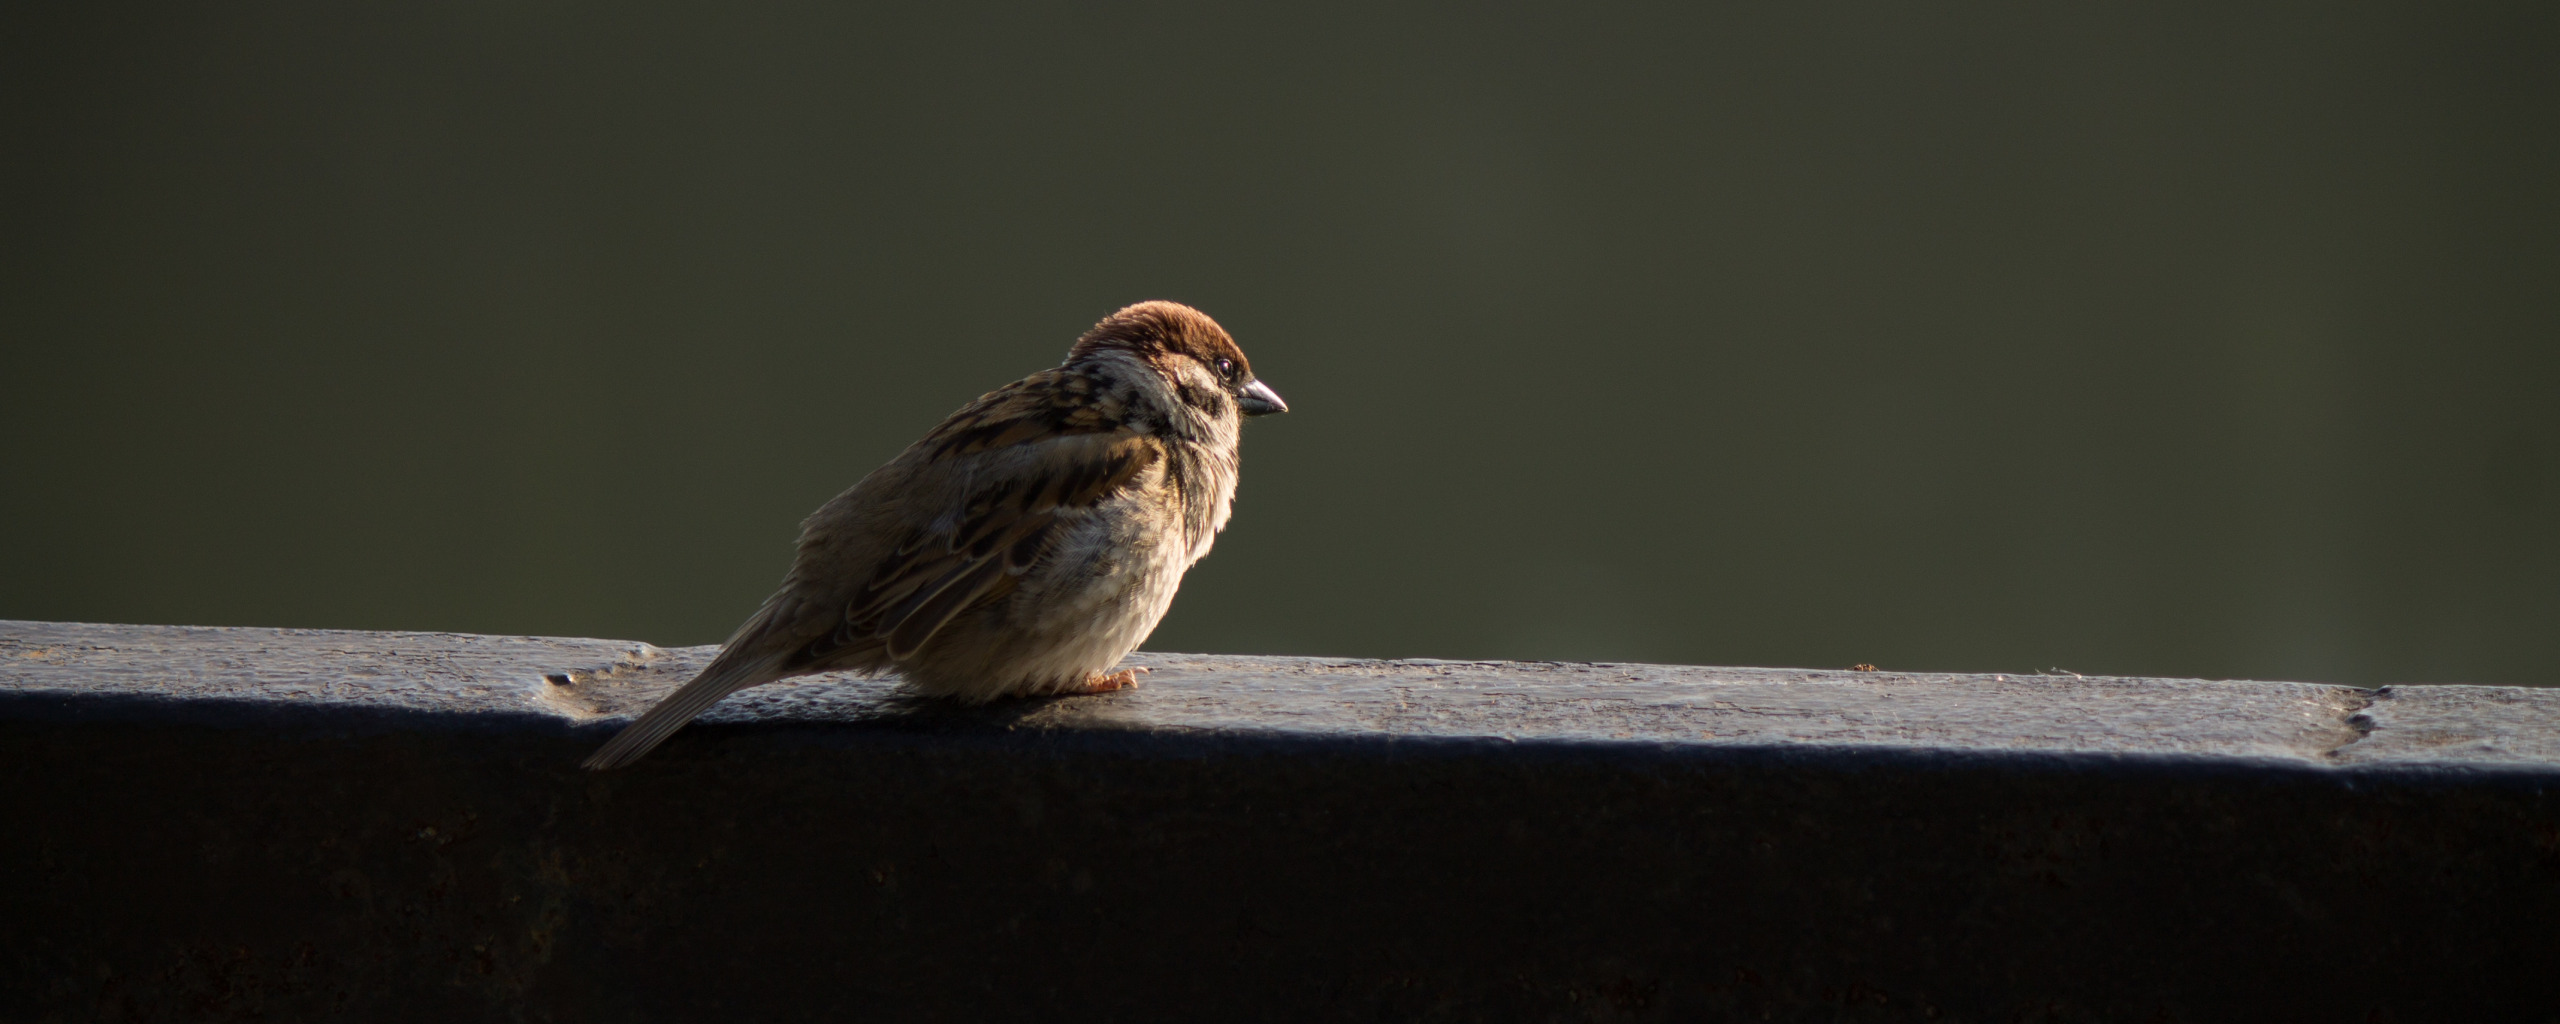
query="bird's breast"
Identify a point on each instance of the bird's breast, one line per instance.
(1203, 479)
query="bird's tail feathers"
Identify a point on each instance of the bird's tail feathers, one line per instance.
(724, 676)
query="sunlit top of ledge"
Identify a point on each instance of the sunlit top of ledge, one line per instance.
(582, 683)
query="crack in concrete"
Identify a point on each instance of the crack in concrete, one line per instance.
(584, 693)
(2356, 720)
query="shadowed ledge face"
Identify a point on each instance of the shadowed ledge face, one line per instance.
(1873, 799)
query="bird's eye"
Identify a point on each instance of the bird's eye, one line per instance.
(1226, 367)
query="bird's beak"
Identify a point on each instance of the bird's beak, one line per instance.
(1257, 399)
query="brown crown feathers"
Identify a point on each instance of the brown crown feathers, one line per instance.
(1158, 330)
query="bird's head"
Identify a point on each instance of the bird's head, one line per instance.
(1193, 354)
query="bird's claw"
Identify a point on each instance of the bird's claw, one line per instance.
(1125, 679)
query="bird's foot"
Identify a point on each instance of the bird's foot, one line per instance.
(1125, 679)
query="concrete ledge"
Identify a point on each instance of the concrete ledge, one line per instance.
(213, 824)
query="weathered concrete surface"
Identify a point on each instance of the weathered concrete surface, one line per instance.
(283, 825)
(1603, 703)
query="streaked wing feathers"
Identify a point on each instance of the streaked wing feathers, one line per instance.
(1005, 527)
(1049, 404)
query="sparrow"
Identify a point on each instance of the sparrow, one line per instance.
(1021, 548)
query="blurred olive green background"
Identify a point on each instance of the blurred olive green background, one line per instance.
(2125, 338)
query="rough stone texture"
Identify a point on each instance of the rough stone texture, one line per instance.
(2459, 725)
(218, 824)
(582, 681)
